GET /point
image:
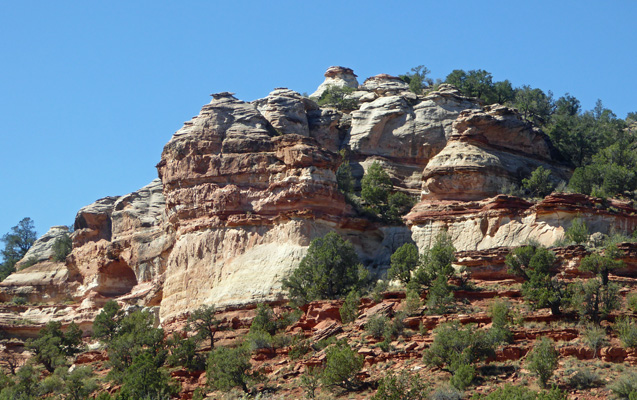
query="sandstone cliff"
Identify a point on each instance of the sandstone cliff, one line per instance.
(244, 187)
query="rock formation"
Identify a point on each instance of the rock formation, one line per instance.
(489, 149)
(42, 249)
(336, 76)
(244, 187)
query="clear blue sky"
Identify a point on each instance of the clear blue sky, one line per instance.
(91, 91)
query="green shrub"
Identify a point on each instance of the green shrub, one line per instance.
(338, 97)
(379, 197)
(412, 303)
(256, 340)
(19, 300)
(183, 352)
(376, 324)
(349, 309)
(228, 368)
(594, 300)
(144, 380)
(403, 263)
(510, 392)
(25, 387)
(602, 265)
(204, 323)
(134, 335)
(16, 244)
(417, 79)
(594, 337)
(341, 367)
(399, 204)
(328, 271)
(631, 302)
(310, 381)
(264, 320)
(455, 345)
(585, 379)
(462, 376)
(344, 180)
(380, 287)
(625, 387)
(400, 387)
(440, 297)
(539, 184)
(107, 322)
(533, 263)
(446, 393)
(435, 262)
(52, 346)
(62, 247)
(75, 385)
(542, 360)
(500, 313)
(299, 349)
(577, 232)
(627, 331)
(375, 189)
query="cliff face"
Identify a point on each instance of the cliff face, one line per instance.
(244, 187)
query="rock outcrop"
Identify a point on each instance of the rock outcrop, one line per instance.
(509, 221)
(403, 132)
(488, 150)
(42, 249)
(336, 76)
(120, 242)
(246, 202)
(244, 187)
(44, 282)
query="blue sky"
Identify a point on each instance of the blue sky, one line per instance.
(91, 91)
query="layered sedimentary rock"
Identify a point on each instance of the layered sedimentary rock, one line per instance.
(42, 249)
(509, 221)
(402, 131)
(120, 242)
(488, 150)
(245, 186)
(44, 282)
(246, 202)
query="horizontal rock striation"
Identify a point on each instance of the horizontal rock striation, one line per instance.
(488, 150)
(509, 221)
(246, 199)
(403, 131)
(244, 187)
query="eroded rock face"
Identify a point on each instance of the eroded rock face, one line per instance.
(336, 76)
(245, 187)
(384, 84)
(122, 241)
(286, 110)
(140, 230)
(510, 221)
(93, 222)
(42, 249)
(246, 203)
(44, 282)
(404, 132)
(487, 151)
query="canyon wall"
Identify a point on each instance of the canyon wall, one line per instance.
(244, 187)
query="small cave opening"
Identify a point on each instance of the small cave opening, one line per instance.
(116, 279)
